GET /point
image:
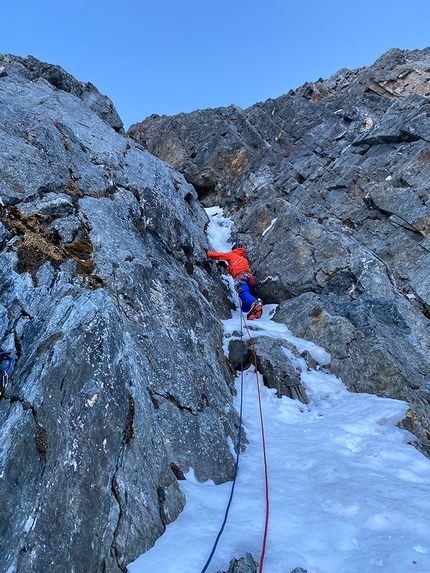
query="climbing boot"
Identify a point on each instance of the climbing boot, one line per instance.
(256, 310)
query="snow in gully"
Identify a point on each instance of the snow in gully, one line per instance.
(348, 491)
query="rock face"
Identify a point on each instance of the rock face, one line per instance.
(328, 187)
(120, 384)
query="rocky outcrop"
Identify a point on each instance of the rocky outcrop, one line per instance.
(120, 384)
(328, 187)
(275, 362)
(245, 564)
(248, 564)
(377, 345)
(34, 69)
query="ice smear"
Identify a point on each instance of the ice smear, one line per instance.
(219, 230)
(273, 221)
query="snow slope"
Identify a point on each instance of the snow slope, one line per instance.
(348, 493)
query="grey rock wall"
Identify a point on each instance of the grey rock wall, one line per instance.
(120, 384)
(328, 187)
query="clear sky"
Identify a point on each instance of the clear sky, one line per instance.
(169, 56)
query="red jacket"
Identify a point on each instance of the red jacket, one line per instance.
(236, 261)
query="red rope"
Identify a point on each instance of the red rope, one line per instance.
(263, 442)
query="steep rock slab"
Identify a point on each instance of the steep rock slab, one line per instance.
(212, 148)
(120, 384)
(88, 427)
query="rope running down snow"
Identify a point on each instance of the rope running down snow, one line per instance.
(263, 443)
(236, 467)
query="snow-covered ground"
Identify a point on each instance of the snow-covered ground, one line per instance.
(348, 493)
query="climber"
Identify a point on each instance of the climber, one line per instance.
(245, 282)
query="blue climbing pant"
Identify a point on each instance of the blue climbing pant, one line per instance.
(246, 298)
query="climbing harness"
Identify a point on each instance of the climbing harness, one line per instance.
(242, 275)
(5, 371)
(266, 473)
(236, 467)
(239, 277)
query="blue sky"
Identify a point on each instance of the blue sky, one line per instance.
(169, 56)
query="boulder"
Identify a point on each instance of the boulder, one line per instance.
(277, 362)
(245, 564)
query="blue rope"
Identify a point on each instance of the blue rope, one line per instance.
(236, 467)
